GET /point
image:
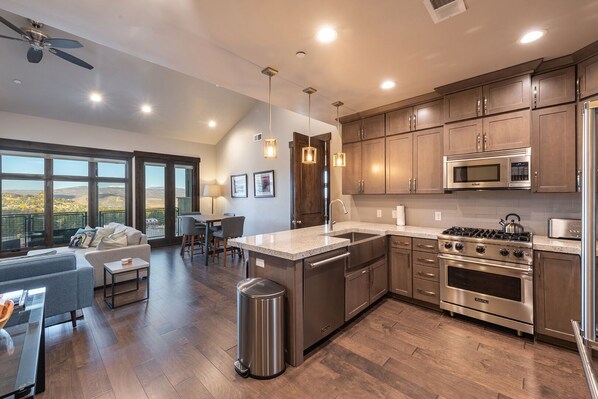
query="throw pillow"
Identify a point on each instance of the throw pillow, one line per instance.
(101, 233)
(113, 241)
(88, 235)
(133, 236)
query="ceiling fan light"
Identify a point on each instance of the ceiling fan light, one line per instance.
(309, 155)
(270, 149)
(339, 160)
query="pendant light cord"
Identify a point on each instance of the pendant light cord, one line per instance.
(309, 121)
(270, 106)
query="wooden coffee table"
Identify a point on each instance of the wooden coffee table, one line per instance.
(116, 268)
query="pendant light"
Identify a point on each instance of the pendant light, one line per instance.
(270, 150)
(309, 153)
(339, 159)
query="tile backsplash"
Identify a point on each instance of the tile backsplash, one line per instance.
(470, 208)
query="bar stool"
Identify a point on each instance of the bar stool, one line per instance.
(191, 229)
(231, 228)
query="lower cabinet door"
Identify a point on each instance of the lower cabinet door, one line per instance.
(400, 272)
(378, 280)
(357, 292)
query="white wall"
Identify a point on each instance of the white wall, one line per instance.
(236, 153)
(30, 128)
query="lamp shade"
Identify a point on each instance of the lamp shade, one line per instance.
(212, 190)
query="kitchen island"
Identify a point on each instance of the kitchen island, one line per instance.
(280, 257)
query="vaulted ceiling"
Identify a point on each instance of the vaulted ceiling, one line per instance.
(228, 42)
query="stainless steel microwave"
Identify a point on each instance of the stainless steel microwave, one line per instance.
(508, 169)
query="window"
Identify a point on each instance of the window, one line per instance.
(49, 194)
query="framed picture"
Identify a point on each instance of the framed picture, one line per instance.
(238, 186)
(263, 184)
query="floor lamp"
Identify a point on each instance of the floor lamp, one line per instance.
(212, 190)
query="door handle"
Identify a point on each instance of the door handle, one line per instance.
(298, 222)
(313, 265)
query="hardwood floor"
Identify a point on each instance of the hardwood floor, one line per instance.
(181, 344)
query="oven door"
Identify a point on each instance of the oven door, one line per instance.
(477, 173)
(487, 286)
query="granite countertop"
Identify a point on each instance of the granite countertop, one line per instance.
(543, 243)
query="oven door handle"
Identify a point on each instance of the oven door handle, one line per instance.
(459, 262)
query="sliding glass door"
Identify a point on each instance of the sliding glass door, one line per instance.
(166, 187)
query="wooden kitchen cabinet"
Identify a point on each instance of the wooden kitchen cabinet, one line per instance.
(553, 150)
(351, 132)
(495, 98)
(400, 266)
(587, 73)
(352, 172)
(419, 117)
(506, 131)
(463, 137)
(414, 163)
(557, 283)
(364, 129)
(357, 292)
(378, 280)
(553, 88)
(365, 172)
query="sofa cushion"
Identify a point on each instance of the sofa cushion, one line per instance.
(133, 236)
(116, 240)
(36, 266)
(82, 238)
(100, 233)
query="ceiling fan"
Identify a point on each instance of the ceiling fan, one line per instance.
(39, 41)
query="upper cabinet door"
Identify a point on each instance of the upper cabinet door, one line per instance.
(587, 71)
(463, 105)
(399, 163)
(553, 149)
(428, 115)
(463, 137)
(427, 161)
(399, 121)
(553, 88)
(372, 167)
(352, 172)
(507, 95)
(351, 132)
(506, 131)
(373, 127)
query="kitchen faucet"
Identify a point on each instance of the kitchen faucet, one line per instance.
(330, 221)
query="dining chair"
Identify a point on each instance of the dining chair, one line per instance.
(191, 229)
(232, 227)
(218, 227)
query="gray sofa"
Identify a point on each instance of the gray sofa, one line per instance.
(69, 286)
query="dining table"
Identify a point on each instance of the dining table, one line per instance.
(209, 221)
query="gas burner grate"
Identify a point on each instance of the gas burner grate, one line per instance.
(489, 234)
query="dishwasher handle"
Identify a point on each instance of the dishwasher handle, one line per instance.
(327, 261)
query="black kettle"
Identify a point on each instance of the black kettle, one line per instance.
(511, 227)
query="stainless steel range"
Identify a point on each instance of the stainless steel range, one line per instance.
(487, 274)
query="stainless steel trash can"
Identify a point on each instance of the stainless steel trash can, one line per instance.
(260, 328)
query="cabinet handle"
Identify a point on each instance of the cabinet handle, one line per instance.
(478, 142)
(485, 142)
(427, 246)
(426, 260)
(409, 122)
(578, 88)
(485, 105)
(362, 133)
(364, 272)
(400, 243)
(578, 180)
(363, 186)
(428, 293)
(414, 185)
(414, 122)
(410, 185)
(432, 275)
(536, 180)
(535, 104)
(478, 109)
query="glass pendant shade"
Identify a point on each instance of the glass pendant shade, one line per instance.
(270, 148)
(339, 160)
(309, 154)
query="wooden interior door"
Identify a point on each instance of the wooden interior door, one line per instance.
(307, 183)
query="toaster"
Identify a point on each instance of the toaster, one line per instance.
(564, 228)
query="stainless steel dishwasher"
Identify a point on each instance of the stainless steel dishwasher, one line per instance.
(323, 295)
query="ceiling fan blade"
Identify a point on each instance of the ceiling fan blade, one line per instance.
(13, 38)
(13, 27)
(34, 55)
(63, 43)
(70, 58)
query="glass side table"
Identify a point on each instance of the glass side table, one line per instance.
(22, 349)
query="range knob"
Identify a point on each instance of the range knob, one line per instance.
(518, 253)
(504, 252)
(459, 246)
(480, 249)
(448, 245)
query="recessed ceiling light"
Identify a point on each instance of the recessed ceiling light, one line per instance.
(17, 81)
(212, 123)
(531, 36)
(95, 97)
(326, 35)
(300, 54)
(146, 109)
(388, 84)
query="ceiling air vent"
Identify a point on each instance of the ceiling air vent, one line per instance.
(444, 9)
(257, 137)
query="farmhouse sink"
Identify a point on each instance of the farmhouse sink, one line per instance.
(364, 248)
(355, 236)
